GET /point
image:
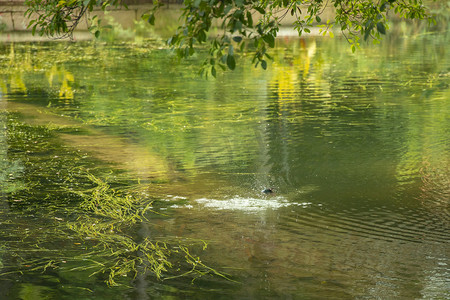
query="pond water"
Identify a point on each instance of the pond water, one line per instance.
(355, 148)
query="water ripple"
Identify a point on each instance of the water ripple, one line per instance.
(381, 225)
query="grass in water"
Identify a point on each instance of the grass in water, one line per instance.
(108, 214)
(47, 232)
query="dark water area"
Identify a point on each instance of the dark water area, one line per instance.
(355, 148)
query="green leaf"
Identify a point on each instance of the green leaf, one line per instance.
(381, 28)
(151, 19)
(231, 50)
(227, 9)
(249, 19)
(366, 34)
(231, 63)
(260, 10)
(237, 26)
(213, 71)
(97, 34)
(368, 23)
(318, 19)
(223, 59)
(242, 47)
(201, 36)
(237, 39)
(264, 64)
(270, 40)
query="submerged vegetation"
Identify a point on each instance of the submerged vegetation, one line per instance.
(94, 225)
(366, 132)
(123, 254)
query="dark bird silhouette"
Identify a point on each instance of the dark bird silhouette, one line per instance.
(267, 191)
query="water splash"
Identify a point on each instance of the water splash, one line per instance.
(248, 204)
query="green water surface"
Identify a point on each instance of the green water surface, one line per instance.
(354, 146)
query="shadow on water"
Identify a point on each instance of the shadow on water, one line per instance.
(354, 147)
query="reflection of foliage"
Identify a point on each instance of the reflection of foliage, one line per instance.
(10, 170)
(31, 291)
(2, 249)
(63, 78)
(310, 78)
(436, 186)
(3, 26)
(22, 60)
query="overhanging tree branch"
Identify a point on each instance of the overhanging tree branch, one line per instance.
(244, 22)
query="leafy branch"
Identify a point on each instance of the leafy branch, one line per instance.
(227, 27)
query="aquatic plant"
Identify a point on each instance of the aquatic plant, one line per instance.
(108, 214)
(73, 222)
(97, 240)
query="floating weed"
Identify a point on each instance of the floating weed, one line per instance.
(198, 268)
(104, 201)
(108, 215)
(71, 223)
(94, 239)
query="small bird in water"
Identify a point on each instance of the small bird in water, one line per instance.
(267, 191)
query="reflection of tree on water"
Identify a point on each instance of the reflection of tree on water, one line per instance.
(65, 79)
(435, 189)
(345, 127)
(330, 108)
(290, 69)
(23, 61)
(351, 133)
(10, 170)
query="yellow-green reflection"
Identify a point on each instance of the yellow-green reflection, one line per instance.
(354, 146)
